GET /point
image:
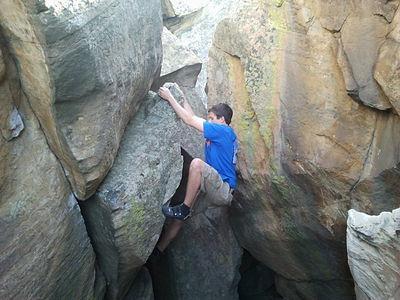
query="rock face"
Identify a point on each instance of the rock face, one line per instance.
(387, 67)
(182, 66)
(45, 250)
(179, 64)
(308, 150)
(142, 288)
(203, 261)
(207, 236)
(373, 247)
(194, 23)
(84, 67)
(124, 217)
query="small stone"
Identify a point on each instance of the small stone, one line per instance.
(16, 124)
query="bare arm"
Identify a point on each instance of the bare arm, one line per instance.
(187, 106)
(185, 113)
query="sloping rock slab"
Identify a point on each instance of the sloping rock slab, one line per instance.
(124, 216)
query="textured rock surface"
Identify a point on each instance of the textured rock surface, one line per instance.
(45, 250)
(373, 247)
(84, 67)
(179, 64)
(309, 152)
(197, 29)
(182, 66)
(142, 288)
(124, 218)
(388, 64)
(181, 8)
(204, 260)
(256, 280)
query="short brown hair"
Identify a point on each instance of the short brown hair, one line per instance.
(222, 110)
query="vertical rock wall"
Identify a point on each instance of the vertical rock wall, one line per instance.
(72, 74)
(317, 134)
(45, 250)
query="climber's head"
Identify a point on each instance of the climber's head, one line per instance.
(220, 113)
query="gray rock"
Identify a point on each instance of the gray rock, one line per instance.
(2, 67)
(179, 64)
(142, 288)
(204, 259)
(373, 247)
(45, 249)
(197, 31)
(182, 66)
(124, 216)
(15, 124)
(85, 67)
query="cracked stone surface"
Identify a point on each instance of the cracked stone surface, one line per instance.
(196, 31)
(84, 66)
(45, 250)
(373, 247)
(308, 150)
(124, 217)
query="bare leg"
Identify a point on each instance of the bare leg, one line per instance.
(194, 181)
(171, 230)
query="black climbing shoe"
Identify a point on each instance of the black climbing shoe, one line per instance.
(180, 212)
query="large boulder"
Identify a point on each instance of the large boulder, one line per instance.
(124, 217)
(203, 261)
(181, 66)
(85, 67)
(387, 68)
(194, 24)
(308, 151)
(207, 236)
(373, 247)
(45, 250)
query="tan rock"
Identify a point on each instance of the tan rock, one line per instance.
(308, 150)
(45, 249)
(387, 68)
(362, 34)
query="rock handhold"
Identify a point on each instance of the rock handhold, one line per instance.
(373, 248)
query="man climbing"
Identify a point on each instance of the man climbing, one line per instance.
(216, 176)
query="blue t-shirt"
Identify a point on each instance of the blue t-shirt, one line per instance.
(220, 150)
